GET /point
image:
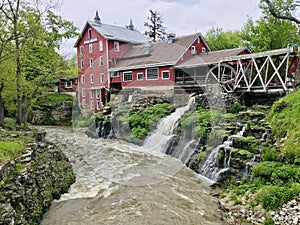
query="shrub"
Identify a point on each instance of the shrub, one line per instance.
(265, 169)
(9, 150)
(269, 154)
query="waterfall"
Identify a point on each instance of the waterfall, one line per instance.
(160, 139)
(210, 168)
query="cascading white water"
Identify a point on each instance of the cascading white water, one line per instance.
(159, 140)
(210, 167)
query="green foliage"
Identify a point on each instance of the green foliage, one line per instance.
(285, 123)
(269, 154)
(237, 107)
(242, 152)
(218, 39)
(53, 99)
(9, 150)
(269, 221)
(249, 143)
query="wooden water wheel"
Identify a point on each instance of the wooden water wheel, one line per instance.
(220, 76)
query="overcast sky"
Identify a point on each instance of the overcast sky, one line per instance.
(180, 16)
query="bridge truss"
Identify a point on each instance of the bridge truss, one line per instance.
(259, 72)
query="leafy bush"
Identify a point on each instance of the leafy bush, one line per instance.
(269, 154)
(265, 169)
(9, 150)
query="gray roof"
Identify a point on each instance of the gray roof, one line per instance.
(160, 53)
(112, 32)
(211, 57)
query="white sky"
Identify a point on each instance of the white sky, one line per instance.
(180, 16)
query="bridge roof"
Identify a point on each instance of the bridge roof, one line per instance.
(213, 57)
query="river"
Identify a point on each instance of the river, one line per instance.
(122, 184)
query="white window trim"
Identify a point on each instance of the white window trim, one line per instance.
(147, 74)
(83, 92)
(116, 46)
(91, 94)
(92, 78)
(98, 104)
(82, 64)
(81, 50)
(101, 61)
(82, 79)
(91, 63)
(101, 46)
(131, 76)
(193, 49)
(83, 103)
(68, 86)
(203, 49)
(164, 71)
(102, 78)
(137, 76)
(90, 33)
(91, 48)
(92, 105)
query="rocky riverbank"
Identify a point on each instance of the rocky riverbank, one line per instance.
(30, 182)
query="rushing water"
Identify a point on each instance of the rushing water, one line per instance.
(119, 183)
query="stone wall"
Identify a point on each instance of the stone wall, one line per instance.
(29, 183)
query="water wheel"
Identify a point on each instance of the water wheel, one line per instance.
(221, 75)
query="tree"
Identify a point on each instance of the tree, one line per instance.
(155, 25)
(36, 34)
(218, 39)
(282, 9)
(269, 33)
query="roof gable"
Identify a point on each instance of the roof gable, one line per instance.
(160, 53)
(112, 32)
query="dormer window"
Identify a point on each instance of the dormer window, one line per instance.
(90, 33)
(203, 49)
(193, 50)
(116, 46)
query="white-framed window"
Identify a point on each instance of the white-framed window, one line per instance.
(165, 74)
(198, 40)
(91, 63)
(115, 74)
(81, 50)
(101, 61)
(140, 76)
(90, 33)
(152, 74)
(193, 49)
(91, 94)
(92, 105)
(82, 79)
(83, 93)
(83, 103)
(102, 78)
(82, 64)
(98, 104)
(91, 48)
(98, 92)
(203, 49)
(127, 76)
(68, 84)
(92, 78)
(116, 46)
(100, 46)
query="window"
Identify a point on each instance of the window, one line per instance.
(101, 61)
(193, 49)
(91, 48)
(116, 46)
(91, 63)
(68, 84)
(198, 40)
(82, 79)
(98, 93)
(81, 50)
(115, 74)
(100, 46)
(92, 105)
(82, 64)
(102, 77)
(99, 104)
(83, 92)
(165, 75)
(203, 49)
(83, 103)
(152, 74)
(91, 94)
(90, 33)
(140, 76)
(92, 78)
(127, 76)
